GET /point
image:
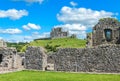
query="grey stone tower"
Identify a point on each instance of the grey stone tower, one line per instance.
(58, 33)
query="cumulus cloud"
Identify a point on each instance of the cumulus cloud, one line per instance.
(35, 33)
(73, 3)
(19, 38)
(10, 31)
(78, 20)
(77, 29)
(43, 35)
(31, 1)
(26, 38)
(13, 14)
(72, 27)
(30, 26)
(82, 15)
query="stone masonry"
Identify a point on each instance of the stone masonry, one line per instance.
(35, 58)
(106, 31)
(9, 59)
(58, 33)
(100, 59)
(104, 58)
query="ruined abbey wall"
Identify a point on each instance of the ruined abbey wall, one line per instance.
(100, 59)
(35, 58)
(9, 59)
(106, 31)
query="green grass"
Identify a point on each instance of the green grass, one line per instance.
(58, 43)
(18, 46)
(57, 76)
(63, 42)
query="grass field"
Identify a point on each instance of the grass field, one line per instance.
(58, 43)
(57, 76)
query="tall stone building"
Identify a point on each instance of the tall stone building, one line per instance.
(106, 31)
(58, 33)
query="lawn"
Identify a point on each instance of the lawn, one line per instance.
(57, 76)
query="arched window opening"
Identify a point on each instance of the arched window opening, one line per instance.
(108, 34)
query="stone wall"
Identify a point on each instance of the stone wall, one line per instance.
(9, 58)
(106, 31)
(100, 59)
(35, 58)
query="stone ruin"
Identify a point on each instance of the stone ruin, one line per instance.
(58, 33)
(103, 54)
(35, 58)
(9, 58)
(99, 59)
(106, 31)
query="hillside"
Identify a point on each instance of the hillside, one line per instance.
(53, 44)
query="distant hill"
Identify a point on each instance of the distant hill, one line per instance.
(51, 45)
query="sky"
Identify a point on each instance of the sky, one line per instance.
(25, 20)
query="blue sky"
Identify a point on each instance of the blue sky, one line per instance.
(25, 20)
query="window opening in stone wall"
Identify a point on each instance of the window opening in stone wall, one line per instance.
(1, 56)
(108, 34)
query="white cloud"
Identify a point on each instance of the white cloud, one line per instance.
(34, 1)
(18, 38)
(10, 31)
(31, 1)
(13, 14)
(73, 3)
(79, 34)
(82, 15)
(73, 27)
(43, 35)
(30, 26)
(26, 38)
(77, 29)
(79, 20)
(35, 33)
